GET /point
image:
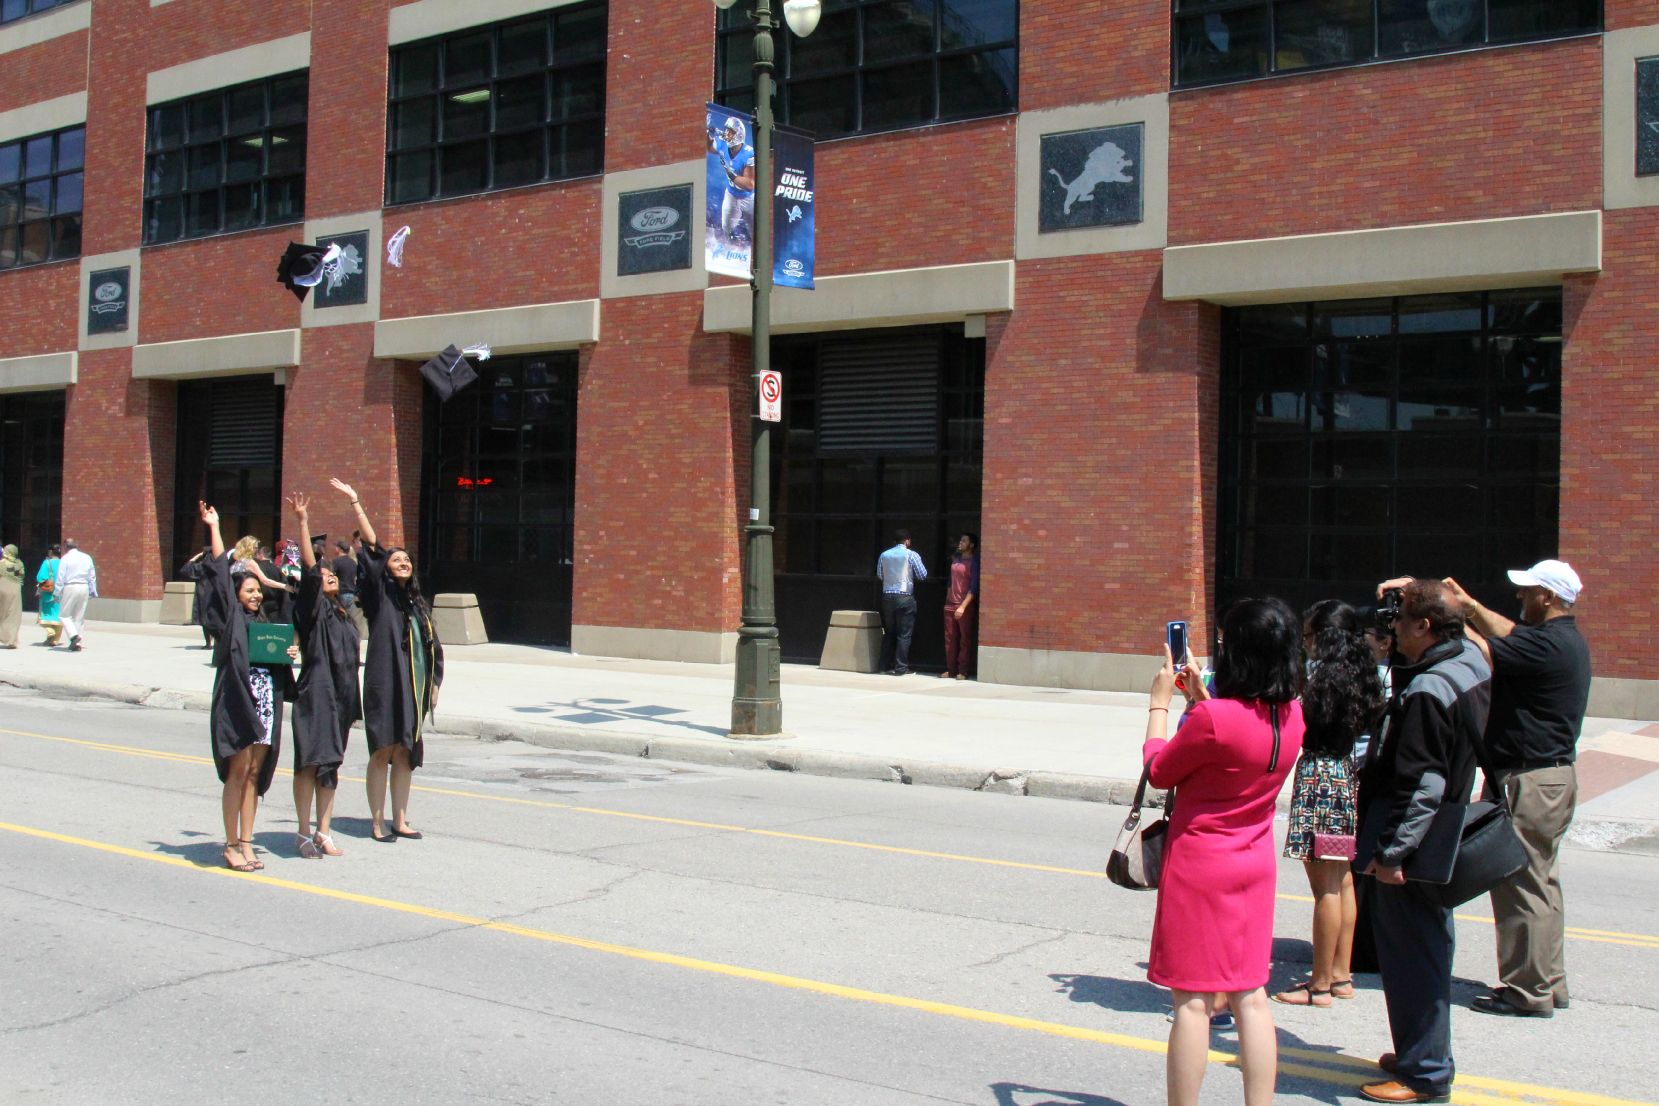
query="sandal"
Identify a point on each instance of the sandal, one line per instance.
(413, 835)
(236, 865)
(1342, 988)
(1304, 994)
(258, 865)
(325, 844)
(308, 848)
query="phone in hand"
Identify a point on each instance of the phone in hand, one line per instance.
(1175, 633)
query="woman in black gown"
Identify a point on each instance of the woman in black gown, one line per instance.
(246, 719)
(401, 672)
(327, 702)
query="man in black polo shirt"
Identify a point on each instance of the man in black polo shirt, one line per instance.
(1540, 689)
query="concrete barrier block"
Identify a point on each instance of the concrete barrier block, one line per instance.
(853, 642)
(176, 601)
(457, 619)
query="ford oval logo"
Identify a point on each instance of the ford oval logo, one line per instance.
(654, 218)
(107, 291)
(794, 268)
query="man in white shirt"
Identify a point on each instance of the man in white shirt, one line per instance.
(76, 582)
(900, 569)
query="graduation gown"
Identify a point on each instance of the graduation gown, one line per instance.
(199, 572)
(233, 721)
(327, 700)
(402, 646)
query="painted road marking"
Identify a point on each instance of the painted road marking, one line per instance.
(1347, 1071)
(1594, 936)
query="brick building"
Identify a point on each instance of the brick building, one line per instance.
(1170, 302)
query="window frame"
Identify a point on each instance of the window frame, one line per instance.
(739, 94)
(55, 221)
(1485, 40)
(560, 159)
(272, 130)
(30, 7)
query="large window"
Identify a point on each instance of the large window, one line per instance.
(231, 159)
(1228, 40)
(507, 105)
(1361, 438)
(31, 477)
(17, 9)
(879, 65)
(229, 454)
(40, 197)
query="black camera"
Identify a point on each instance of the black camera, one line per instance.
(1388, 609)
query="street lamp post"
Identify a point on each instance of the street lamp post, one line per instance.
(757, 708)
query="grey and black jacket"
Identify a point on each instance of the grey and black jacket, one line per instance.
(1426, 752)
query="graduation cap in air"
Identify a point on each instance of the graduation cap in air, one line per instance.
(303, 267)
(450, 371)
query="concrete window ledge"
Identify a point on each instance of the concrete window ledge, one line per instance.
(42, 373)
(896, 297)
(539, 326)
(231, 355)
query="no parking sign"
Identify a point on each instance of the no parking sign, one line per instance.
(771, 396)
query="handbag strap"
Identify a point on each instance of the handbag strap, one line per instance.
(1273, 712)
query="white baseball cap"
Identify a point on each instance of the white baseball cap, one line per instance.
(1556, 576)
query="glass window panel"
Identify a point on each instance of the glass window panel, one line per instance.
(579, 92)
(1267, 411)
(37, 156)
(71, 150)
(545, 545)
(244, 158)
(1529, 458)
(201, 212)
(466, 114)
(286, 153)
(523, 47)
(583, 145)
(579, 34)
(848, 486)
(977, 22)
(898, 96)
(37, 198)
(202, 166)
(289, 99)
(11, 205)
(163, 219)
(520, 103)
(1353, 458)
(1535, 508)
(246, 109)
(1528, 406)
(1350, 364)
(826, 107)
(241, 203)
(34, 242)
(412, 124)
(467, 60)
(1407, 26)
(1441, 456)
(1273, 322)
(1321, 32)
(1439, 409)
(977, 84)
(1282, 367)
(737, 60)
(1278, 553)
(11, 161)
(1354, 318)
(415, 70)
(1432, 505)
(518, 159)
(13, 9)
(847, 547)
(910, 485)
(1526, 359)
(166, 125)
(8, 246)
(284, 199)
(795, 536)
(1350, 556)
(1220, 46)
(1352, 505)
(1285, 459)
(1351, 411)
(896, 29)
(1439, 314)
(1445, 361)
(544, 506)
(68, 197)
(206, 117)
(833, 46)
(1531, 311)
(1276, 504)
(1523, 19)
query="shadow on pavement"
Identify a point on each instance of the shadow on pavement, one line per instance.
(1113, 994)
(203, 854)
(592, 712)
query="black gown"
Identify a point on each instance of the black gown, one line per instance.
(327, 701)
(390, 712)
(234, 722)
(206, 616)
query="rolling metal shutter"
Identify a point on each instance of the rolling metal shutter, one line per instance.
(242, 424)
(879, 394)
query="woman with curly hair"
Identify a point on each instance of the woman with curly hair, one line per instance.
(1341, 701)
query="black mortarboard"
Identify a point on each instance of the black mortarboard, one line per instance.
(302, 267)
(448, 373)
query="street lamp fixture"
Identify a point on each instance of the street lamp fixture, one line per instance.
(757, 708)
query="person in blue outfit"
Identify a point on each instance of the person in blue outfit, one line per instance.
(899, 569)
(737, 157)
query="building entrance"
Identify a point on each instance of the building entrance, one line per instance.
(229, 455)
(882, 429)
(31, 478)
(498, 510)
(1365, 438)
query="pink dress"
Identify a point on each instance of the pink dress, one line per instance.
(1214, 925)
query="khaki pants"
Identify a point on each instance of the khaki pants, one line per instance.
(1528, 906)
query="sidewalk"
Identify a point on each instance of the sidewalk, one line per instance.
(916, 729)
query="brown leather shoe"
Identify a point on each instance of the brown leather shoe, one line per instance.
(1389, 1062)
(1393, 1091)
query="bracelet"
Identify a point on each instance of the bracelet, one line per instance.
(1149, 710)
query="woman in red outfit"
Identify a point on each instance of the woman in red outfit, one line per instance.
(1213, 933)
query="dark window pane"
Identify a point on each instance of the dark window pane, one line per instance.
(289, 99)
(206, 117)
(71, 150)
(1523, 19)
(583, 145)
(1438, 314)
(247, 109)
(286, 152)
(163, 219)
(1426, 407)
(834, 45)
(579, 34)
(848, 486)
(847, 547)
(68, 197)
(1441, 456)
(466, 60)
(1355, 457)
(579, 92)
(11, 161)
(466, 114)
(737, 60)
(1321, 32)
(518, 159)
(1274, 553)
(1433, 362)
(1529, 360)
(66, 236)
(1283, 367)
(35, 242)
(11, 205)
(201, 213)
(1408, 27)
(1277, 505)
(1531, 311)
(1349, 556)
(897, 96)
(977, 84)
(415, 70)
(410, 177)
(1347, 364)
(241, 206)
(1266, 411)
(1353, 505)
(166, 125)
(202, 166)
(284, 199)
(520, 103)
(245, 158)
(37, 198)
(1354, 318)
(1282, 321)
(1528, 407)
(8, 246)
(976, 22)
(910, 485)
(465, 168)
(1528, 458)
(1219, 46)
(897, 29)
(412, 124)
(13, 9)
(1270, 459)
(523, 48)
(795, 537)
(37, 156)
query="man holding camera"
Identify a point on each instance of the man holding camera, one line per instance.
(1540, 690)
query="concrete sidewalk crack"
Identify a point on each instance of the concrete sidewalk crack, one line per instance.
(1058, 935)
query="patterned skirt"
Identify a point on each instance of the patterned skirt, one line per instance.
(1324, 799)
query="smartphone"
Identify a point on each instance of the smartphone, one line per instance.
(1175, 633)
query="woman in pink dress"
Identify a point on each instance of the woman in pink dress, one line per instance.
(1213, 933)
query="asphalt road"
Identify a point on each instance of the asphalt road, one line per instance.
(592, 929)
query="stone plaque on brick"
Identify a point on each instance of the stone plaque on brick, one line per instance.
(653, 230)
(1091, 178)
(107, 298)
(1647, 116)
(348, 282)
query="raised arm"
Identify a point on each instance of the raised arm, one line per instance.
(300, 503)
(216, 540)
(363, 525)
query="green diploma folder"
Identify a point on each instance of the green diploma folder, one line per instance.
(268, 642)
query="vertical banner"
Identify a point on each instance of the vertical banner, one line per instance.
(729, 216)
(794, 246)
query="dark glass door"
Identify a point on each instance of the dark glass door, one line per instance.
(498, 510)
(31, 478)
(230, 455)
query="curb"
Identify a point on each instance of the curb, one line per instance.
(710, 751)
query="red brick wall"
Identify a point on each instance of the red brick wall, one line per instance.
(1423, 141)
(1610, 445)
(1087, 51)
(657, 47)
(345, 165)
(115, 121)
(206, 287)
(1619, 14)
(1096, 458)
(38, 304)
(656, 498)
(43, 71)
(177, 33)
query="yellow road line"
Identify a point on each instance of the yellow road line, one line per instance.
(1595, 936)
(1342, 1070)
